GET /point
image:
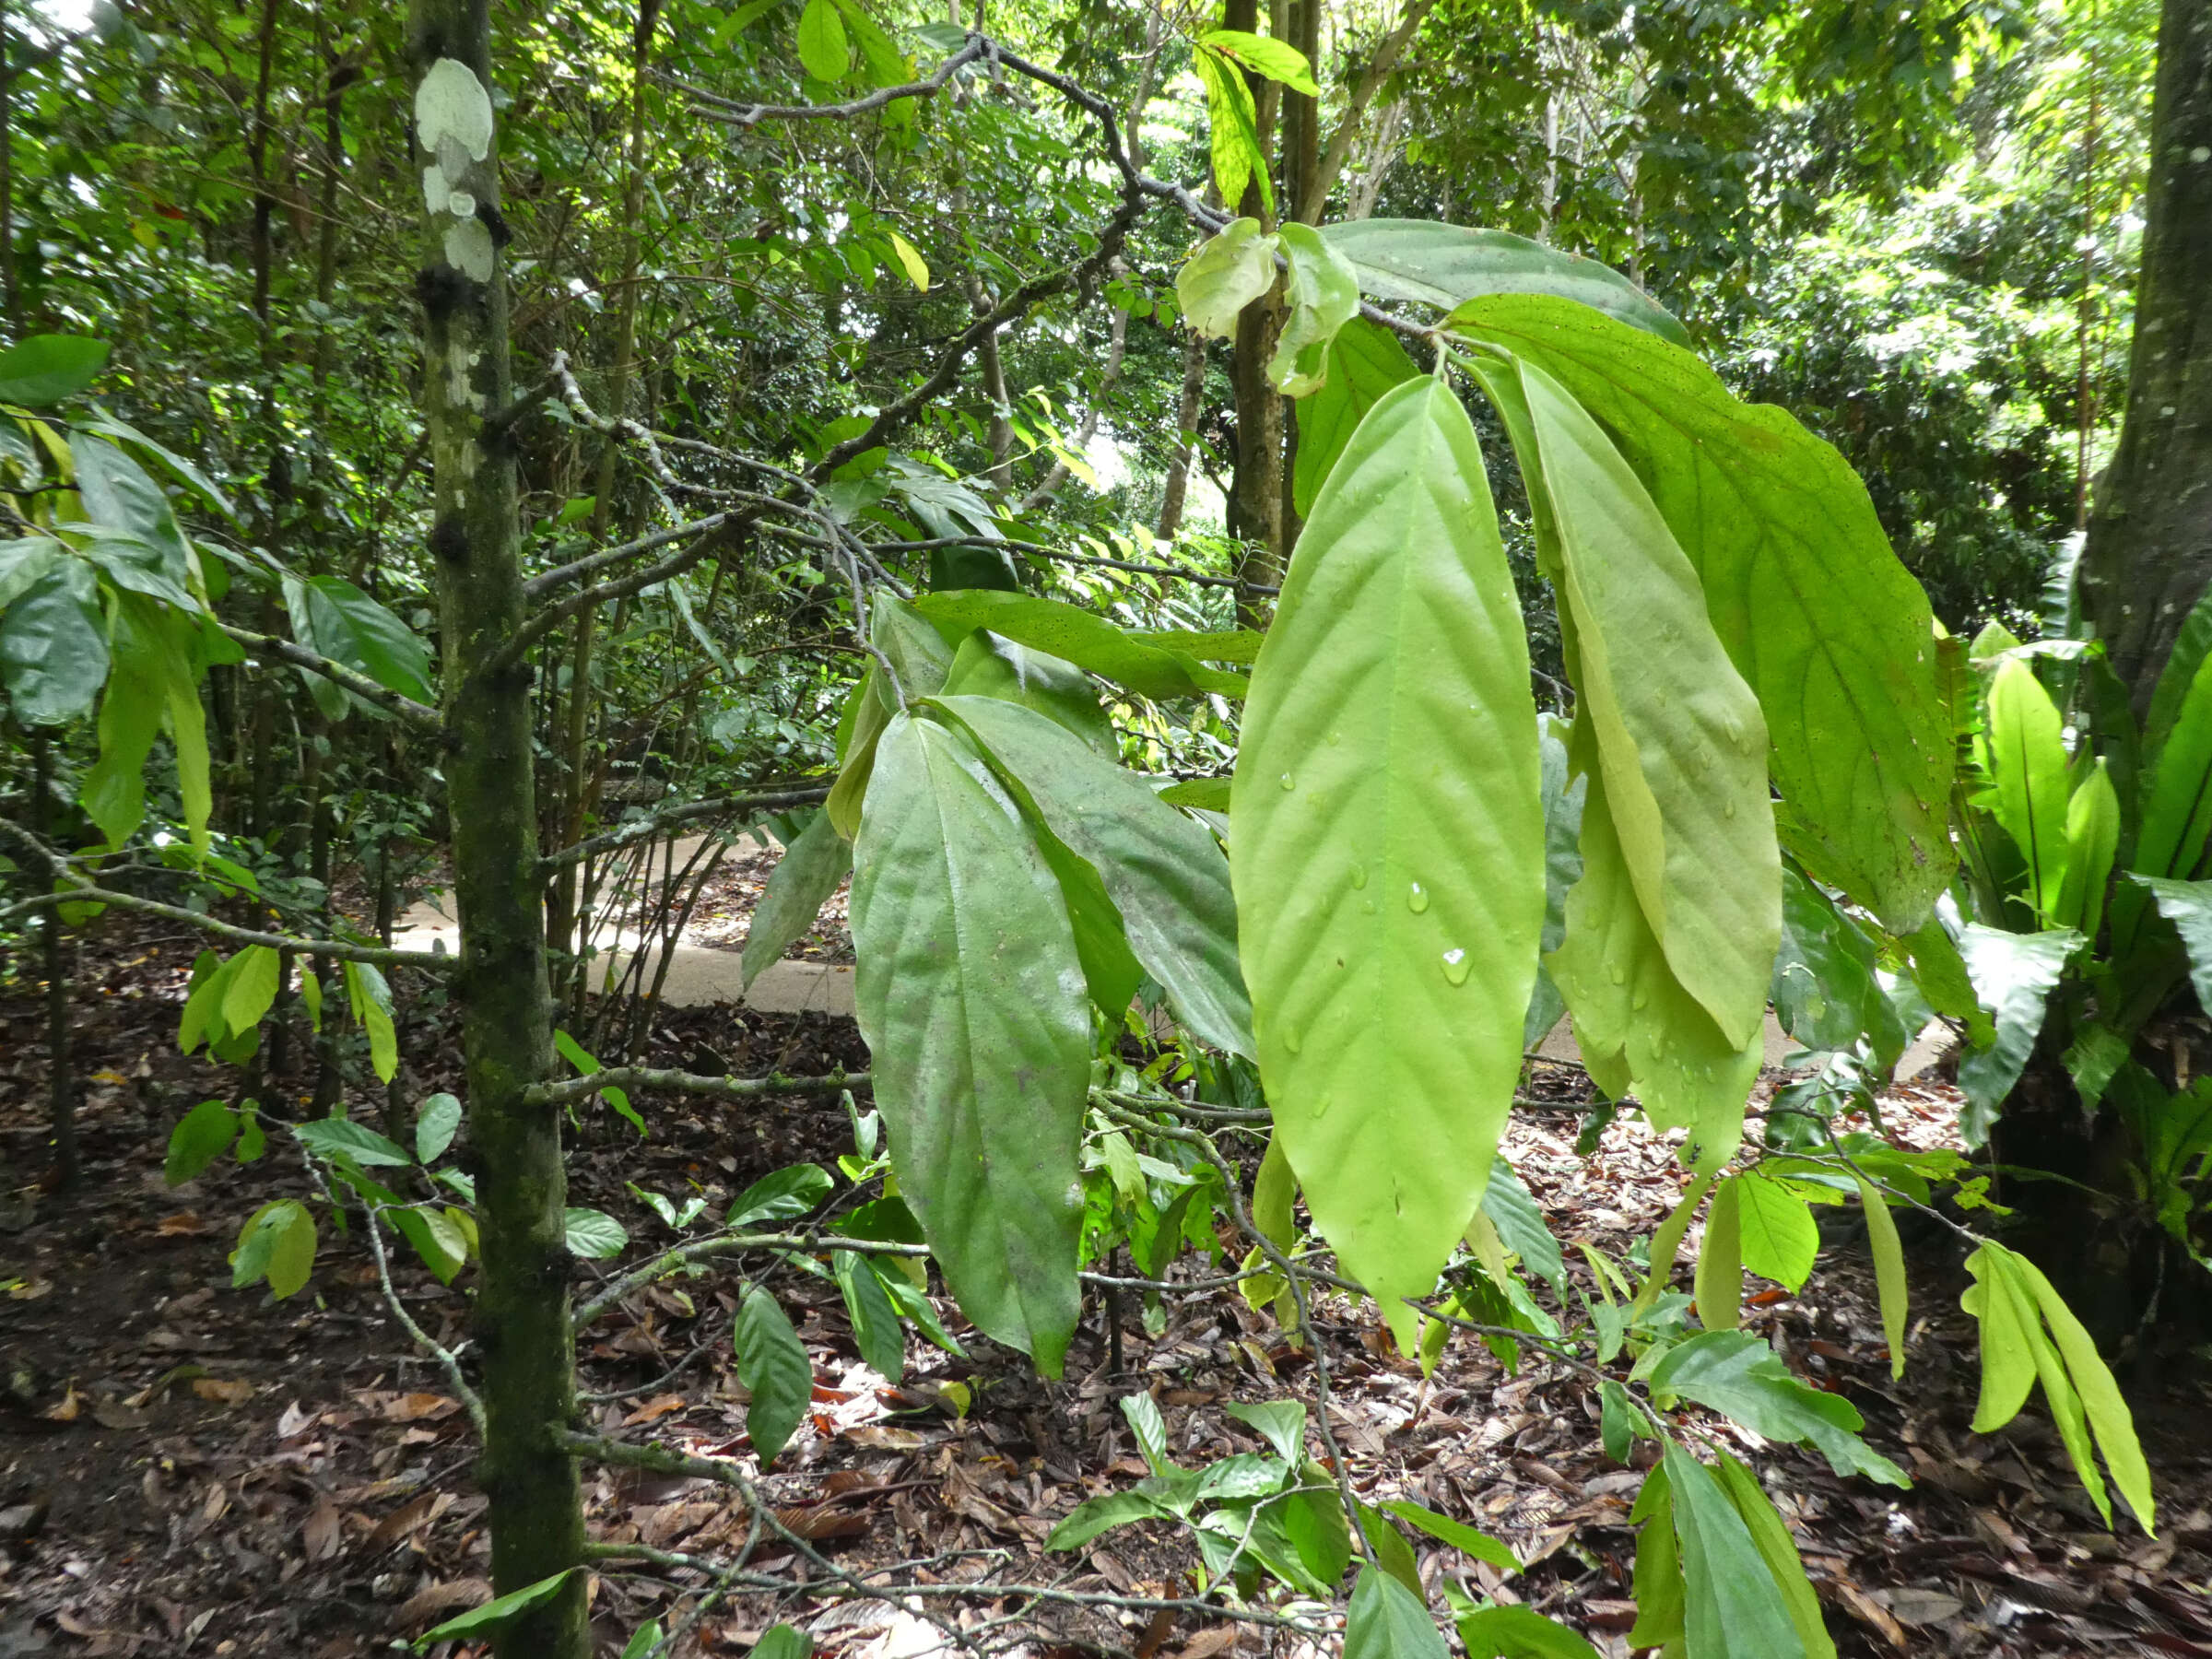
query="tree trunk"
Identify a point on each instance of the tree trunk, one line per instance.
(1186, 438)
(2149, 555)
(522, 1325)
(1255, 506)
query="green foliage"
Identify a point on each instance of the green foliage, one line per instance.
(1388, 847)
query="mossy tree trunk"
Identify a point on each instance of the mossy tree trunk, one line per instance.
(522, 1325)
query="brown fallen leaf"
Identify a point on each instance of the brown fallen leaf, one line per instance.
(420, 1407)
(435, 1602)
(416, 1511)
(223, 1391)
(67, 1409)
(323, 1533)
(655, 1409)
(184, 1224)
(1206, 1643)
(815, 1522)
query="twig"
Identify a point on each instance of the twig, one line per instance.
(651, 825)
(683, 1082)
(361, 685)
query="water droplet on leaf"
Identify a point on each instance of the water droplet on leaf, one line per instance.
(1417, 899)
(1359, 875)
(1456, 966)
(1289, 781)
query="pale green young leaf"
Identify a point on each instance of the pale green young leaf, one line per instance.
(1657, 1585)
(435, 1125)
(772, 1364)
(2108, 1413)
(802, 882)
(823, 48)
(1719, 1281)
(1233, 122)
(251, 988)
(781, 1194)
(1781, 1238)
(1281, 1423)
(1890, 1288)
(2176, 806)
(2007, 1345)
(593, 1234)
(1800, 581)
(1321, 295)
(2092, 842)
(972, 997)
(1680, 740)
(1277, 60)
(1081, 637)
(1090, 1518)
(1231, 269)
(201, 1136)
(2028, 761)
(1445, 265)
(1163, 872)
(1389, 845)
(909, 261)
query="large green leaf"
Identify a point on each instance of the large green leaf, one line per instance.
(1738, 1376)
(1780, 1236)
(1365, 361)
(2028, 764)
(1320, 296)
(987, 665)
(118, 495)
(1503, 1632)
(1633, 1019)
(2013, 976)
(54, 647)
(1230, 271)
(44, 369)
(1564, 791)
(1776, 1548)
(1388, 1622)
(1825, 994)
(798, 889)
(772, 1364)
(333, 617)
(1801, 582)
(1164, 873)
(2177, 787)
(1445, 265)
(1388, 853)
(2109, 1417)
(972, 999)
(2188, 905)
(2092, 845)
(1730, 1610)
(1080, 637)
(1677, 736)
(823, 49)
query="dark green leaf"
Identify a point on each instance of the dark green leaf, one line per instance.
(875, 1328)
(54, 645)
(1730, 1608)
(494, 1612)
(594, 1234)
(1386, 1621)
(342, 1137)
(791, 1191)
(773, 1366)
(44, 369)
(802, 882)
(1519, 1633)
(1738, 1376)
(201, 1137)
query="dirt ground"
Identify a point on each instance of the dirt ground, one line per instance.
(190, 1469)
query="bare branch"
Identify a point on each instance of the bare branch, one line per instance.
(645, 829)
(538, 587)
(729, 111)
(683, 1082)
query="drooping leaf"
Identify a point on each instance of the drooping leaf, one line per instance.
(1321, 295)
(1445, 265)
(2176, 809)
(331, 616)
(1364, 361)
(2109, 1417)
(1458, 1534)
(802, 882)
(1564, 791)
(1825, 991)
(1233, 126)
(772, 1364)
(1739, 1376)
(1520, 1224)
(1277, 60)
(1679, 738)
(1164, 873)
(1388, 853)
(909, 261)
(2013, 976)
(1720, 1273)
(971, 998)
(1888, 1254)
(1230, 270)
(1801, 582)
(1775, 1547)
(44, 369)
(1730, 1610)
(1503, 1632)
(118, 495)
(2028, 761)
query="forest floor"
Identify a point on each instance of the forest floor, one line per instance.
(190, 1469)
